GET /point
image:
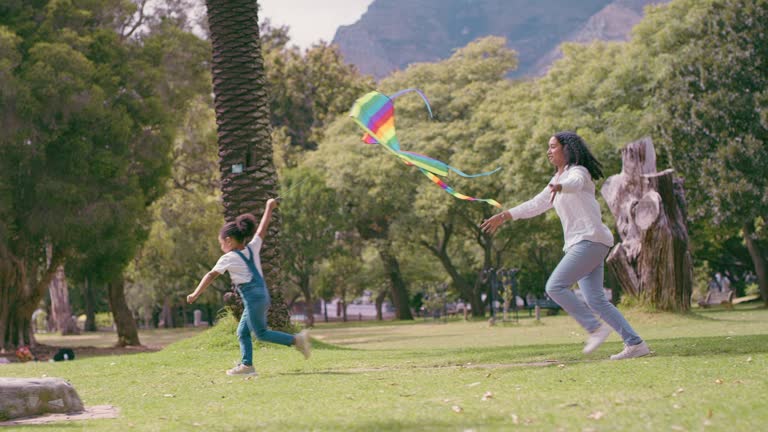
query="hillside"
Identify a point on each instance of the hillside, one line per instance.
(395, 33)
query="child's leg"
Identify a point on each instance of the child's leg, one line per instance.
(592, 289)
(579, 261)
(244, 337)
(258, 320)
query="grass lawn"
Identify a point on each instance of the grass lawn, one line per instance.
(709, 372)
(103, 339)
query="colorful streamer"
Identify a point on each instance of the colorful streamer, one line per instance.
(375, 114)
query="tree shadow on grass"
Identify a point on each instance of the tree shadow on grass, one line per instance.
(710, 345)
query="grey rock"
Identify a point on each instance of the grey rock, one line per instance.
(24, 397)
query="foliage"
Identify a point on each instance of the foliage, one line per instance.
(307, 90)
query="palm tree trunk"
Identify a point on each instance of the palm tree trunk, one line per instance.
(248, 175)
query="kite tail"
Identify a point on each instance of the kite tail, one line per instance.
(487, 173)
(414, 90)
(451, 191)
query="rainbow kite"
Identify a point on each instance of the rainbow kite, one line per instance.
(375, 113)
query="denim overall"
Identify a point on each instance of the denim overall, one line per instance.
(256, 302)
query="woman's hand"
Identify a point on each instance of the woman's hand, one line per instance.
(191, 298)
(554, 188)
(271, 203)
(493, 223)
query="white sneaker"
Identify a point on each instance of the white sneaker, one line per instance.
(632, 351)
(597, 337)
(242, 369)
(303, 344)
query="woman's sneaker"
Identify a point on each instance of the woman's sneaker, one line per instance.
(242, 369)
(597, 337)
(632, 351)
(303, 344)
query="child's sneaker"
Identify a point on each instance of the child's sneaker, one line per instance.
(242, 369)
(632, 351)
(303, 344)
(597, 337)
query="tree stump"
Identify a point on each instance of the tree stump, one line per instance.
(25, 397)
(652, 262)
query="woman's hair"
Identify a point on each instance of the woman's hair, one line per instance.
(577, 153)
(242, 227)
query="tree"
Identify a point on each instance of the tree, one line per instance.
(711, 100)
(85, 150)
(311, 218)
(248, 176)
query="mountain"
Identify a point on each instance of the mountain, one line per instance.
(395, 33)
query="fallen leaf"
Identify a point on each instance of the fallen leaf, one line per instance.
(515, 419)
(169, 395)
(707, 422)
(486, 396)
(457, 409)
(561, 365)
(680, 390)
(473, 384)
(677, 428)
(597, 415)
(709, 413)
(749, 359)
(718, 381)
(488, 375)
(676, 406)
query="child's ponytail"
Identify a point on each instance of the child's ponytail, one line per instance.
(242, 227)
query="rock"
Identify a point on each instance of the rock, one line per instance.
(24, 397)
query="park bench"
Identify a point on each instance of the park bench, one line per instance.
(718, 298)
(553, 307)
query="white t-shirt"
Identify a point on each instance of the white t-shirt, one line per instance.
(576, 206)
(237, 268)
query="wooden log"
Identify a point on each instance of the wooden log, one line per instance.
(652, 262)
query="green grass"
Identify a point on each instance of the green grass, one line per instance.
(104, 339)
(708, 373)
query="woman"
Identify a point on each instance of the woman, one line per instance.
(587, 242)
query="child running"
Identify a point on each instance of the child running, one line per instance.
(242, 262)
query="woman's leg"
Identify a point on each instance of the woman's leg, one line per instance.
(592, 289)
(579, 261)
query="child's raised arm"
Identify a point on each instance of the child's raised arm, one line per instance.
(264, 224)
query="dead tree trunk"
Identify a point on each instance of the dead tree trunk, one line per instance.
(61, 311)
(652, 262)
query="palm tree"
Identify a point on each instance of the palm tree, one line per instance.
(248, 176)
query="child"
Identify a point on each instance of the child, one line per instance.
(244, 267)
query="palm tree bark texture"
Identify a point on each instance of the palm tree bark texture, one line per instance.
(248, 176)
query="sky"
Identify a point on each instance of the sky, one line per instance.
(312, 20)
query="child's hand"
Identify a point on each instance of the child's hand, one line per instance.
(191, 298)
(271, 203)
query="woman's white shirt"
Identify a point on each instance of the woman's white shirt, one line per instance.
(237, 268)
(575, 205)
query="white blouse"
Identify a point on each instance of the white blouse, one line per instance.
(237, 268)
(575, 205)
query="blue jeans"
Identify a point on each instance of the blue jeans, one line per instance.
(256, 302)
(583, 263)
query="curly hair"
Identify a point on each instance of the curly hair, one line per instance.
(242, 227)
(577, 153)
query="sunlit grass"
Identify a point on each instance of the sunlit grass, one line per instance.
(708, 373)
